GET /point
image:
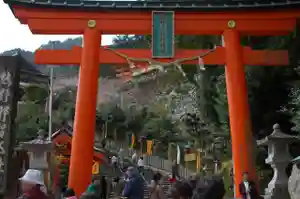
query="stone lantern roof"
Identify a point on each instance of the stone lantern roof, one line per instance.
(278, 135)
(39, 143)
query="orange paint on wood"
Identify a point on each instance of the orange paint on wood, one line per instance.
(50, 21)
(84, 126)
(185, 27)
(251, 57)
(239, 113)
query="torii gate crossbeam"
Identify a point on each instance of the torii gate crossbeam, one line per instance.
(250, 57)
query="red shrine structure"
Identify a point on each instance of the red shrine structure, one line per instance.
(163, 20)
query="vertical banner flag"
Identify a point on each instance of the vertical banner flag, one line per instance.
(178, 154)
(132, 140)
(129, 140)
(149, 147)
(201, 64)
(198, 159)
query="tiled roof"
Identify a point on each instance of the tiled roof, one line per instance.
(201, 5)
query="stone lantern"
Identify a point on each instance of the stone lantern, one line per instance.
(38, 150)
(278, 158)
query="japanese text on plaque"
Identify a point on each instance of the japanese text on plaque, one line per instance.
(5, 94)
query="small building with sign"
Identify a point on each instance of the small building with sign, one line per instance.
(62, 140)
(62, 143)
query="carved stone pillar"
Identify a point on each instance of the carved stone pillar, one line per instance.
(278, 158)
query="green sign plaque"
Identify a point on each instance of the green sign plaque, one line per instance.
(162, 34)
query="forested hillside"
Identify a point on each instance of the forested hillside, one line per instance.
(273, 91)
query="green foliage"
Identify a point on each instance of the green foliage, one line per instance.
(198, 130)
(30, 119)
(35, 94)
(33, 111)
(293, 108)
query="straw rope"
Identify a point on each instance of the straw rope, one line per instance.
(160, 65)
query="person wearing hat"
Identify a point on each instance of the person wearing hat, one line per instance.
(32, 185)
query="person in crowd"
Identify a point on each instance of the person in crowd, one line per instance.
(114, 161)
(121, 153)
(94, 187)
(104, 187)
(32, 185)
(89, 195)
(156, 190)
(171, 179)
(175, 173)
(214, 187)
(141, 164)
(247, 188)
(134, 187)
(181, 190)
(69, 194)
(134, 157)
(193, 181)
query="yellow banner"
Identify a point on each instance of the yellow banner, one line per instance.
(149, 147)
(198, 161)
(132, 140)
(95, 168)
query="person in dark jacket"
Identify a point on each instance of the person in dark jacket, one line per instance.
(175, 172)
(247, 188)
(180, 190)
(134, 185)
(103, 190)
(175, 169)
(32, 184)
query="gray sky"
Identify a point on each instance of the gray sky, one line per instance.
(15, 35)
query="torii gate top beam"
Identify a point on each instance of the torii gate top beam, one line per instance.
(127, 17)
(187, 5)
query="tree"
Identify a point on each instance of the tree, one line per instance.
(293, 108)
(32, 112)
(30, 119)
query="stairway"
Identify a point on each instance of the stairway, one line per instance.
(148, 176)
(165, 185)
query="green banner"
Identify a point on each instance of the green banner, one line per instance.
(162, 34)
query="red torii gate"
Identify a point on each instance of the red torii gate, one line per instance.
(93, 18)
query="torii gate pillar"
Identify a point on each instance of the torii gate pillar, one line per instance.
(81, 162)
(239, 112)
